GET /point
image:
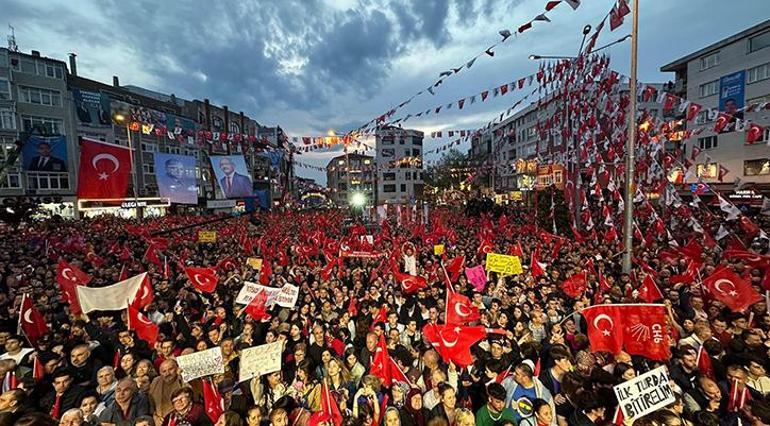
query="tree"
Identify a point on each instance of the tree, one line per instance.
(16, 210)
(450, 171)
(549, 211)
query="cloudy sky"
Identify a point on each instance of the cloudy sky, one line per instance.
(314, 65)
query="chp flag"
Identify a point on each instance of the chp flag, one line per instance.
(105, 170)
(640, 329)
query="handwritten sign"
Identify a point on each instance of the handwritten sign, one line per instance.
(260, 360)
(285, 296)
(201, 364)
(477, 277)
(255, 263)
(438, 249)
(503, 264)
(207, 236)
(645, 393)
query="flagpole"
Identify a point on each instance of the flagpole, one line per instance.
(628, 208)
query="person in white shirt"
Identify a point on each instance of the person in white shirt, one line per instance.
(14, 351)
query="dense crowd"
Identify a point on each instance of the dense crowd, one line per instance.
(533, 367)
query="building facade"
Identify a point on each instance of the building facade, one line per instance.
(350, 174)
(732, 76)
(399, 165)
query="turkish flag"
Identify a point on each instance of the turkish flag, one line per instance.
(144, 295)
(605, 332)
(227, 264)
(703, 360)
(145, 329)
(212, 400)
(69, 277)
(692, 110)
(454, 342)
(535, 267)
(203, 279)
(754, 133)
(516, 250)
(326, 272)
(38, 372)
(151, 255)
(266, 272)
(330, 410)
(732, 290)
(455, 267)
(752, 259)
(459, 309)
(381, 362)
(257, 308)
(31, 321)
(648, 291)
(486, 246)
(575, 285)
(644, 331)
(410, 283)
(105, 170)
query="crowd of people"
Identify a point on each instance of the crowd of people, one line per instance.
(534, 367)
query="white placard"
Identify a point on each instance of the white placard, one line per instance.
(645, 394)
(285, 296)
(200, 364)
(260, 360)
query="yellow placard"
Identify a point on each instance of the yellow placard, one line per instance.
(207, 236)
(504, 264)
(255, 263)
(438, 249)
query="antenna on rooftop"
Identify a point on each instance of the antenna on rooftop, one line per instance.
(12, 46)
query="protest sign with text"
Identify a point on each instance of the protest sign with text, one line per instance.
(201, 364)
(260, 360)
(285, 296)
(504, 264)
(645, 393)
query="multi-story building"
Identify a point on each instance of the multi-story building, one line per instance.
(34, 103)
(733, 77)
(399, 165)
(350, 174)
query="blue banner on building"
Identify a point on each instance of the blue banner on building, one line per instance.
(45, 154)
(92, 108)
(232, 175)
(731, 97)
(175, 176)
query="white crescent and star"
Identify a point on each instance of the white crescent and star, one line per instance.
(444, 341)
(459, 311)
(605, 332)
(65, 273)
(144, 319)
(27, 316)
(718, 285)
(105, 156)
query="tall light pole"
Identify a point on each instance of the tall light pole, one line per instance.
(628, 211)
(120, 118)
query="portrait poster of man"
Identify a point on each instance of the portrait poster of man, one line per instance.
(232, 175)
(175, 175)
(45, 154)
(92, 108)
(731, 97)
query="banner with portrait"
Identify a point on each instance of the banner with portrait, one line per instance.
(45, 154)
(175, 176)
(92, 108)
(731, 97)
(232, 175)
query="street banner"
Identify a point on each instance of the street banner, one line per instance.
(260, 360)
(45, 154)
(364, 254)
(504, 264)
(438, 249)
(285, 296)
(232, 175)
(201, 364)
(645, 393)
(111, 298)
(477, 277)
(207, 236)
(255, 263)
(175, 176)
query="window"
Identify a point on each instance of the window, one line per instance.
(387, 140)
(234, 128)
(12, 178)
(5, 89)
(710, 170)
(173, 150)
(28, 66)
(759, 41)
(41, 68)
(403, 187)
(401, 140)
(709, 61)
(3, 58)
(148, 168)
(407, 152)
(756, 167)
(7, 119)
(389, 188)
(416, 141)
(34, 95)
(710, 88)
(415, 153)
(51, 126)
(389, 176)
(708, 142)
(48, 181)
(755, 74)
(149, 147)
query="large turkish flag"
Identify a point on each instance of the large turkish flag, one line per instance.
(605, 329)
(105, 170)
(732, 290)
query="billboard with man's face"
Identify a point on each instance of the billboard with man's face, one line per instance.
(45, 154)
(731, 97)
(232, 175)
(175, 176)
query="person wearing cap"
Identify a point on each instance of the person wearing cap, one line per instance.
(494, 412)
(522, 388)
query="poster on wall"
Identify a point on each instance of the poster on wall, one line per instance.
(731, 97)
(175, 176)
(232, 175)
(45, 154)
(92, 108)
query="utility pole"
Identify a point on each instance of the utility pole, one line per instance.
(628, 213)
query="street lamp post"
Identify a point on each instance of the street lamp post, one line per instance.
(628, 211)
(120, 118)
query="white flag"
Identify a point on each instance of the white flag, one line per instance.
(111, 298)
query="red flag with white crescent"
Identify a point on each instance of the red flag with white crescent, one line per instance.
(212, 400)
(31, 321)
(732, 290)
(454, 342)
(460, 310)
(203, 279)
(605, 332)
(105, 170)
(145, 295)
(145, 329)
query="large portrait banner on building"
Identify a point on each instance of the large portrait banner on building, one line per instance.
(232, 175)
(45, 154)
(731, 97)
(175, 176)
